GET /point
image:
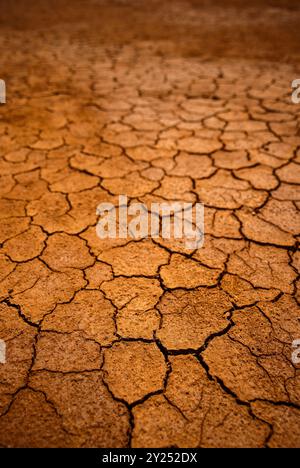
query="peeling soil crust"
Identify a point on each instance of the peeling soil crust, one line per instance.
(117, 343)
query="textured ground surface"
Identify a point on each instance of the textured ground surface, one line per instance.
(117, 343)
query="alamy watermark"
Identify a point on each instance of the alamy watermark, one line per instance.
(296, 352)
(176, 220)
(296, 94)
(2, 352)
(2, 92)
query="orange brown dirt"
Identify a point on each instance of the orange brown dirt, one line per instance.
(123, 343)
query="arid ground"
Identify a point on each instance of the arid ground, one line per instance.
(144, 343)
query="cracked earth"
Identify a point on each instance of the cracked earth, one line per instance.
(125, 343)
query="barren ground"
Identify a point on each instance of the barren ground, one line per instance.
(119, 343)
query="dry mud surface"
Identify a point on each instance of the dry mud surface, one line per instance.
(117, 343)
